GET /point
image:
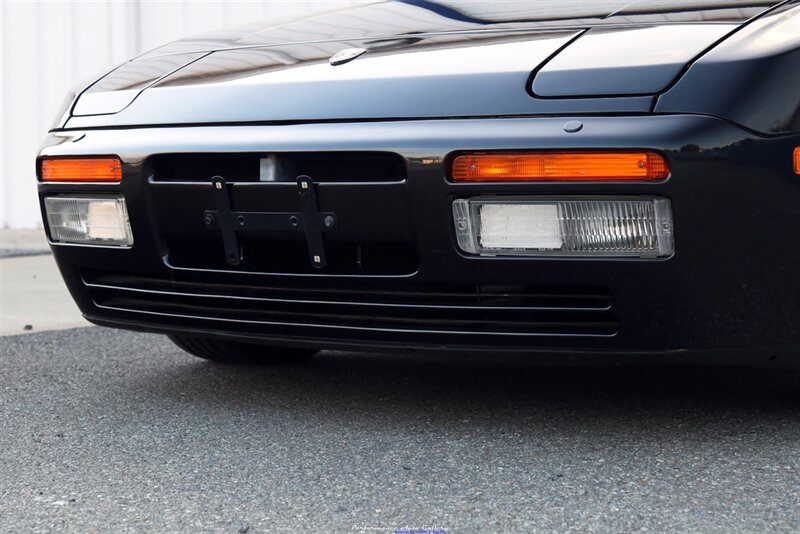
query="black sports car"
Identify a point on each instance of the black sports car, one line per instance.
(562, 177)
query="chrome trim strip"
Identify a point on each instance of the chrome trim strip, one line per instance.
(341, 303)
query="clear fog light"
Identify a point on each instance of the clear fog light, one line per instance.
(608, 227)
(89, 221)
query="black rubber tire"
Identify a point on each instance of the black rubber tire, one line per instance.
(236, 352)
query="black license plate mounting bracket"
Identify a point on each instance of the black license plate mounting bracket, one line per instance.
(308, 220)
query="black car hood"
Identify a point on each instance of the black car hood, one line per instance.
(422, 59)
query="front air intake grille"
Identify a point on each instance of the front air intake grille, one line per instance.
(324, 167)
(462, 309)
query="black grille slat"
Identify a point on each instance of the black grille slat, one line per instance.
(465, 295)
(512, 310)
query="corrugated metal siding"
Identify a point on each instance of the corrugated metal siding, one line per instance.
(48, 47)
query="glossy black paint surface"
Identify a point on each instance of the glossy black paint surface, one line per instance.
(423, 59)
(393, 118)
(116, 90)
(753, 78)
(603, 63)
(375, 22)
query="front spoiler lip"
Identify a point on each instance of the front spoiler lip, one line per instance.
(357, 328)
(779, 357)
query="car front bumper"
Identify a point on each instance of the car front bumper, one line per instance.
(732, 282)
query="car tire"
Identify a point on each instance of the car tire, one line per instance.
(237, 352)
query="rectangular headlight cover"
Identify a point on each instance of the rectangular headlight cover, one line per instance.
(581, 227)
(89, 221)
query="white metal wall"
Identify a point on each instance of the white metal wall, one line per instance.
(50, 46)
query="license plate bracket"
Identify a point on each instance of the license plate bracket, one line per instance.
(309, 220)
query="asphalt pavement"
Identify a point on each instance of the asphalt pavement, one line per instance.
(109, 431)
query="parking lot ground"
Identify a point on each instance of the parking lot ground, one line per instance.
(33, 296)
(111, 431)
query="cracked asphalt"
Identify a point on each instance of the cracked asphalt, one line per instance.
(110, 431)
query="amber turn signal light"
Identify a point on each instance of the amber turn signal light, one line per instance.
(559, 166)
(81, 170)
(797, 160)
